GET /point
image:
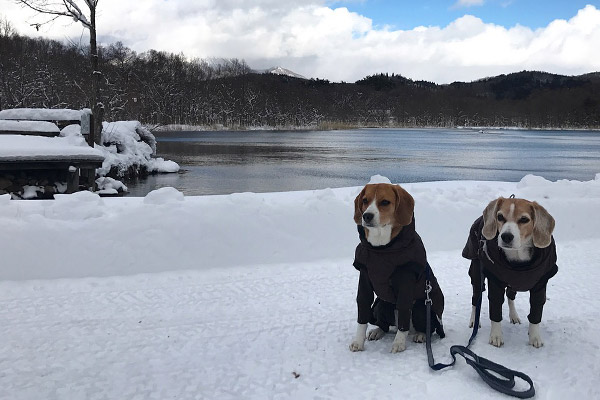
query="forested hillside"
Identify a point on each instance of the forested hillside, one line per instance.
(162, 88)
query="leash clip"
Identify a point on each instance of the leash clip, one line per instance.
(427, 291)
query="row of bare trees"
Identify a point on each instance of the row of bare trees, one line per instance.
(162, 88)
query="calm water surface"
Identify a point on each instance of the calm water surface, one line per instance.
(271, 161)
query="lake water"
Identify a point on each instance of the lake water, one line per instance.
(273, 161)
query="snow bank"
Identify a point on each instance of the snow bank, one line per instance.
(127, 144)
(137, 235)
(269, 284)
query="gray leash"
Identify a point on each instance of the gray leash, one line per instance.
(497, 376)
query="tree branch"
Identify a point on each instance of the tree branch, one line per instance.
(71, 10)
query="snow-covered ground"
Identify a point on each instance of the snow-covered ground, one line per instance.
(252, 296)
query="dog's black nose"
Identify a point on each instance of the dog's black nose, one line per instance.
(368, 217)
(507, 237)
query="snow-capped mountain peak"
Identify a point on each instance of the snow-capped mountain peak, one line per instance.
(283, 71)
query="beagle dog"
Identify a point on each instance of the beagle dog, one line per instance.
(392, 262)
(512, 242)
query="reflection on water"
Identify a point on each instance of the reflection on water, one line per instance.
(259, 161)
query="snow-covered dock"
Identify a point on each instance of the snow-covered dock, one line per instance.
(36, 162)
(32, 165)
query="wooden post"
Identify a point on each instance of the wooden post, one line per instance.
(90, 174)
(73, 180)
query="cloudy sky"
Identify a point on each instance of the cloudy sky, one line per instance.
(434, 40)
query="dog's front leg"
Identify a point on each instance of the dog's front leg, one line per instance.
(358, 344)
(399, 343)
(496, 298)
(376, 334)
(535, 339)
(512, 312)
(537, 299)
(472, 320)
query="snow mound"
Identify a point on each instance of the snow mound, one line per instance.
(533, 181)
(379, 179)
(30, 191)
(71, 130)
(4, 199)
(76, 206)
(166, 195)
(161, 165)
(532, 185)
(107, 185)
(127, 133)
(128, 144)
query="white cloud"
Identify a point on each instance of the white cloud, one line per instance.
(318, 41)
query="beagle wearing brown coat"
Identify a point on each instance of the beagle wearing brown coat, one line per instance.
(392, 263)
(512, 242)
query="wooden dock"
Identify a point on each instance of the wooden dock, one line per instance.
(32, 153)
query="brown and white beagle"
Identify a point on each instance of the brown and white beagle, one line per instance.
(383, 210)
(392, 261)
(512, 241)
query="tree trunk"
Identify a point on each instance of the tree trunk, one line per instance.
(97, 106)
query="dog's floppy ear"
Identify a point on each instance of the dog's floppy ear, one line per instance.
(490, 222)
(543, 226)
(357, 203)
(405, 206)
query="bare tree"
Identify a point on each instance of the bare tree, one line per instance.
(72, 9)
(6, 28)
(6, 32)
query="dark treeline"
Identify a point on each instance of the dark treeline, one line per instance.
(162, 88)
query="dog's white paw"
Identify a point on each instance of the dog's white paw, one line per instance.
(357, 346)
(512, 312)
(496, 338)
(535, 339)
(472, 320)
(399, 343)
(419, 337)
(514, 319)
(375, 334)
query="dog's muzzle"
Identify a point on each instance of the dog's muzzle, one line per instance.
(368, 218)
(507, 239)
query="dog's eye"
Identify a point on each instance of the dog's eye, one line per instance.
(365, 201)
(523, 220)
(385, 203)
(501, 218)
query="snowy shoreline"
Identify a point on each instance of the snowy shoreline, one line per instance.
(200, 128)
(252, 296)
(134, 235)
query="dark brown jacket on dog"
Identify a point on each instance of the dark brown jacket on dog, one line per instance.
(396, 273)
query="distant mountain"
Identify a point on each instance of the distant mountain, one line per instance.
(228, 93)
(283, 71)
